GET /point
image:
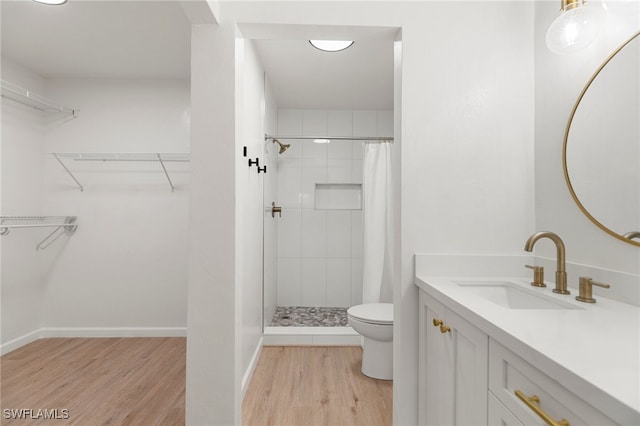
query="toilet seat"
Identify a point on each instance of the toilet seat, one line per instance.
(373, 313)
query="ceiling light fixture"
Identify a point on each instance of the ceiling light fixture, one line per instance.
(331, 45)
(576, 27)
(320, 140)
(51, 2)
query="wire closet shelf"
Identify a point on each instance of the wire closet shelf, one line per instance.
(157, 157)
(29, 98)
(63, 224)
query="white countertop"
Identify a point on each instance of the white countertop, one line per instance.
(593, 351)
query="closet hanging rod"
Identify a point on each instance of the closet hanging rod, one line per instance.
(45, 222)
(66, 223)
(36, 225)
(27, 97)
(334, 138)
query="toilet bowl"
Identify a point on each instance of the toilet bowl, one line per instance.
(374, 321)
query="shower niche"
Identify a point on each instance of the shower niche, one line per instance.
(338, 196)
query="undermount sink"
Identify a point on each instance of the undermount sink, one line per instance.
(513, 296)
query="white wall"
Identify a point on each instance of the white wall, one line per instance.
(467, 169)
(467, 138)
(559, 80)
(214, 346)
(320, 251)
(21, 179)
(126, 265)
(231, 110)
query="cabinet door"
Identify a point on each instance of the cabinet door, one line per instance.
(470, 369)
(440, 373)
(453, 367)
(435, 393)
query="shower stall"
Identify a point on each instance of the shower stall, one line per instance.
(313, 236)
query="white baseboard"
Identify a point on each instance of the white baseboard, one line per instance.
(87, 332)
(16, 343)
(248, 374)
(113, 332)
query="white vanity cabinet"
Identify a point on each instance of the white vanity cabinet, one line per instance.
(453, 367)
(471, 372)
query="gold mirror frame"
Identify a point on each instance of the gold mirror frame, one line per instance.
(566, 139)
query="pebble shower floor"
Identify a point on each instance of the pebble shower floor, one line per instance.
(303, 316)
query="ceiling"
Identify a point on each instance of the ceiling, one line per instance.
(151, 39)
(301, 76)
(98, 39)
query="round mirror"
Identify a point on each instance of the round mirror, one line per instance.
(601, 151)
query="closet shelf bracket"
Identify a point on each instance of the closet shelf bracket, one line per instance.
(164, 169)
(66, 169)
(62, 225)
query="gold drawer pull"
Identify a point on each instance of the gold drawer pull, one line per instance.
(532, 402)
(437, 322)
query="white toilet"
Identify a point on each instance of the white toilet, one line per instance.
(374, 321)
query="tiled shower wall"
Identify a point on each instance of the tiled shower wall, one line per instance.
(320, 251)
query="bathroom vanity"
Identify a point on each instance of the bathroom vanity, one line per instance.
(494, 350)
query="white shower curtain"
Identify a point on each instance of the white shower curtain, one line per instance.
(377, 223)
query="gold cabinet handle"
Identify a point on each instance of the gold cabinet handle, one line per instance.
(440, 323)
(532, 402)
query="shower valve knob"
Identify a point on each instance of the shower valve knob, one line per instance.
(255, 162)
(275, 209)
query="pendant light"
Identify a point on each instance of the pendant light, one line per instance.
(576, 28)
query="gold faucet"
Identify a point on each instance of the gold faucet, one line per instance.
(632, 234)
(561, 274)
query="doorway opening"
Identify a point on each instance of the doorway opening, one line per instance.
(319, 111)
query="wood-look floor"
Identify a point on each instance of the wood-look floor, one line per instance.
(141, 381)
(111, 381)
(297, 386)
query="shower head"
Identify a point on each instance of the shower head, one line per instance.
(283, 146)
